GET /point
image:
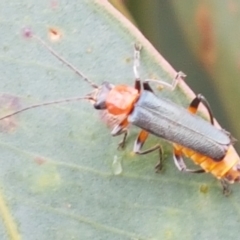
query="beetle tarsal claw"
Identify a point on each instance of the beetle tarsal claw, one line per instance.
(137, 46)
(180, 74)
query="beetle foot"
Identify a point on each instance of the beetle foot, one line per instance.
(225, 188)
(158, 167)
(121, 145)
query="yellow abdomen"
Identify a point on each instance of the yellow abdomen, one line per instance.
(228, 168)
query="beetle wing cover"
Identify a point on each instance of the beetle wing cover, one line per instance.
(174, 123)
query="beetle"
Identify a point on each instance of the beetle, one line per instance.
(191, 135)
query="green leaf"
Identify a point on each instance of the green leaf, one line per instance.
(59, 165)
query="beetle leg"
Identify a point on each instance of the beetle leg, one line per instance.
(195, 103)
(170, 86)
(147, 87)
(136, 60)
(121, 144)
(225, 187)
(121, 129)
(136, 64)
(142, 136)
(180, 164)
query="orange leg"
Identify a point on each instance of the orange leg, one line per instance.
(142, 137)
(180, 164)
(195, 103)
(119, 130)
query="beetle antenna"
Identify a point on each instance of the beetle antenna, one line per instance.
(28, 33)
(87, 97)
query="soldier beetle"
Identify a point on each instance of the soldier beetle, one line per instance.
(191, 135)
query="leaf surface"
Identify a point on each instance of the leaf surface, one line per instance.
(57, 177)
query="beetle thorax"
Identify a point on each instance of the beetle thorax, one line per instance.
(121, 99)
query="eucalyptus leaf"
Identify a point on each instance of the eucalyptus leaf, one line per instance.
(58, 163)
